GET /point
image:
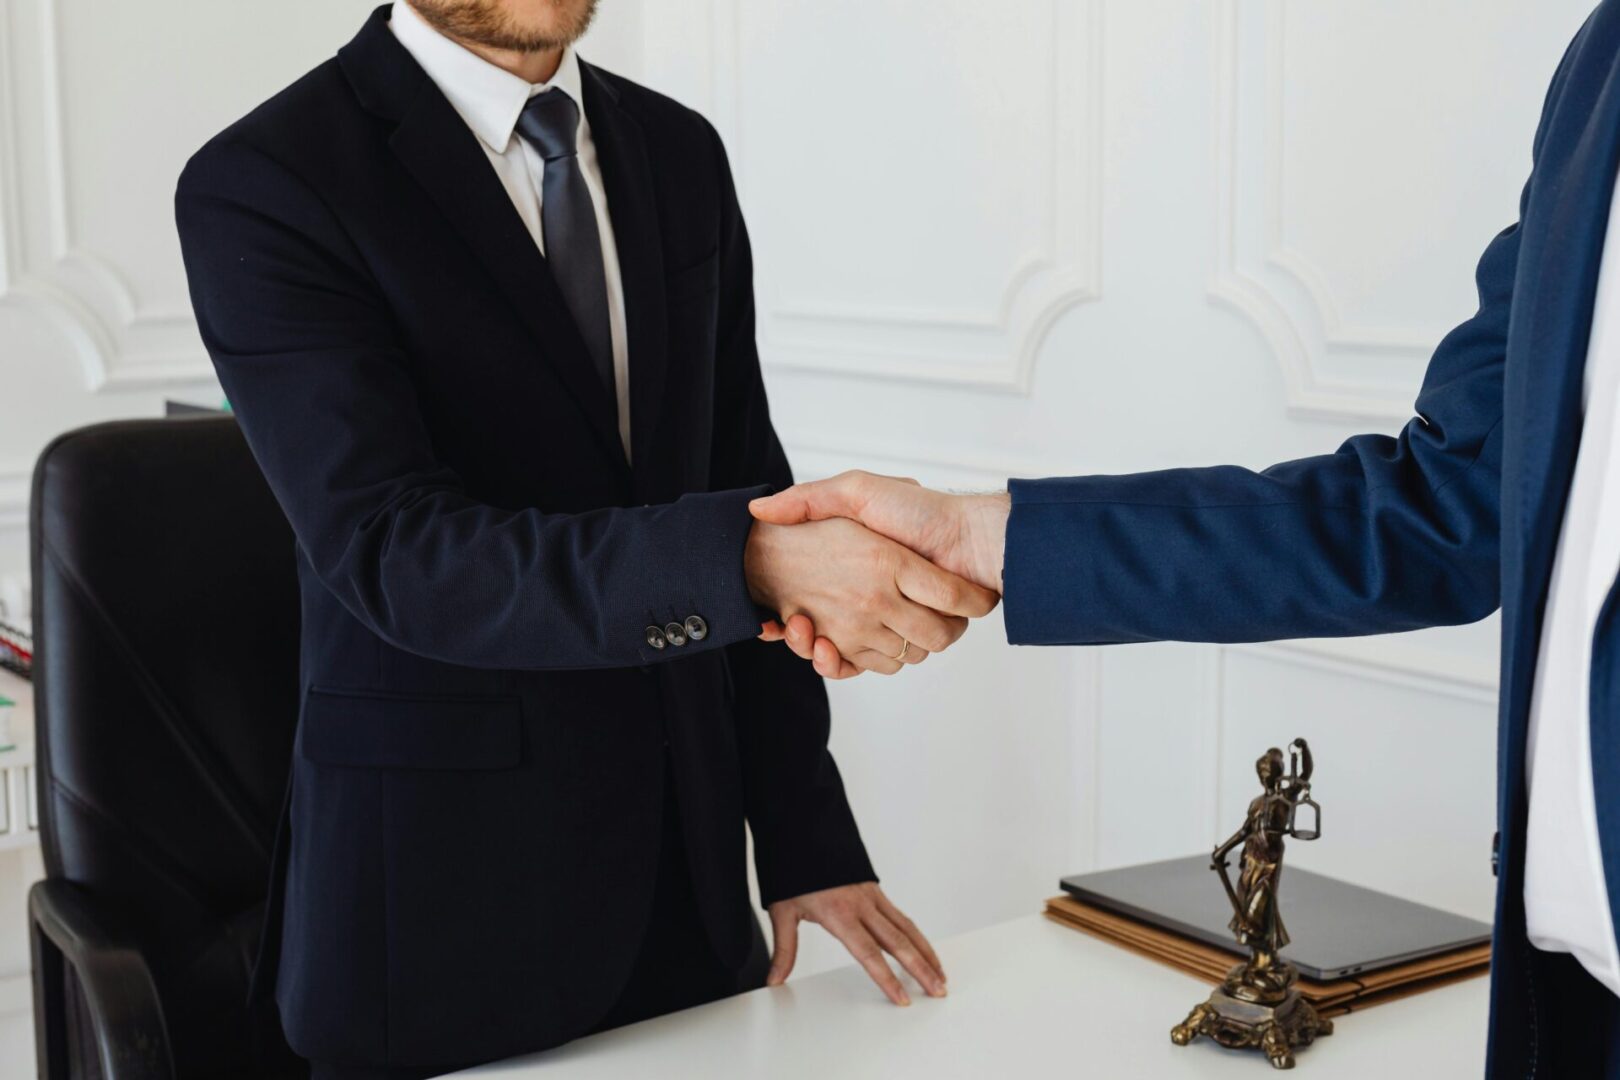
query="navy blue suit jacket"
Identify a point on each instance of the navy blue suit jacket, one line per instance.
(1440, 525)
(475, 802)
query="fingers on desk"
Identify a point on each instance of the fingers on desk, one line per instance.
(899, 918)
(784, 943)
(866, 923)
(906, 950)
(863, 946)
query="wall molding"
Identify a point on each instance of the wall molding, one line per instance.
(997, 347)
(15, 482)
(44, 265)
(1085, 761)
(1254, 267)
(1211, 735)
(940, 464)
(16, 993)
(1386, 659)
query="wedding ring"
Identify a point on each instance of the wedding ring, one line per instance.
(905, 647)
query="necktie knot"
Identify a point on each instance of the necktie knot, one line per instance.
(550, 121)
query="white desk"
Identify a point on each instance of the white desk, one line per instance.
(1028, 998)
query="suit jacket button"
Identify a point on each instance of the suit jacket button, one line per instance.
(655, 637)
(696, 628)
(676, 633)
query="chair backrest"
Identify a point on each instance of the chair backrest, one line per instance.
(166, 629)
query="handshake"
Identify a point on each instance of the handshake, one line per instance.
(871, 573)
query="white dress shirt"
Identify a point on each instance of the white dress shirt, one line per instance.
(490, 100)
(1566, 899)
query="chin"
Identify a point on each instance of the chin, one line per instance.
(518, 25)
(550, 20)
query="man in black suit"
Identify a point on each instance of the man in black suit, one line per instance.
(485, 314)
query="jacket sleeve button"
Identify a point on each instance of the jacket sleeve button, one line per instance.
(676, 633)
(655, 637)
(696, 628)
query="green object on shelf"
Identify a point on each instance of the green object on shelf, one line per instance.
(6, 741)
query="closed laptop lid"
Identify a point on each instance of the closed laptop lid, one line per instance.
(1336, 928)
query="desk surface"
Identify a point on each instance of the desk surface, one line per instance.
(1027, 998)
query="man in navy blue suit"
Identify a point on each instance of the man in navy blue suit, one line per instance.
(1503, 490)
(485, 314)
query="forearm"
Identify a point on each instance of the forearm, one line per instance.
(1345, 545)
(1231, 842)
(444, 576)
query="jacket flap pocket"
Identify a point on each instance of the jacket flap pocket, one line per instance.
(699, 279)
(384, 731)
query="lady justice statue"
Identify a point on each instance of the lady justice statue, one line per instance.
(1258, 1005)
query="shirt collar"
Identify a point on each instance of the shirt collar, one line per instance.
(488, 98)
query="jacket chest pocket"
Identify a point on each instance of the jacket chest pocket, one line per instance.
(701, 278)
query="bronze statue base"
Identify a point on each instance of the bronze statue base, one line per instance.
(1275, 1030)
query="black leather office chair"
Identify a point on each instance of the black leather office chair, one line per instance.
(166, 628)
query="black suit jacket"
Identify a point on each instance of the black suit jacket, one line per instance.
(475, 800)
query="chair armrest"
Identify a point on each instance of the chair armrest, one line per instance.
(125, 1014)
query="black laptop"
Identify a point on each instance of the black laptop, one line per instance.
(1336, 928)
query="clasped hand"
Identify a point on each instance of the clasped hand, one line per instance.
(871, 573)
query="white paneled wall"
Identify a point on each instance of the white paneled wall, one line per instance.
(1021, 238)
(1063, 236)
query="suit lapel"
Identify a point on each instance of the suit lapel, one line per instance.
(1561, 272)
(1556, 287)
(435, 146)
(626, 173)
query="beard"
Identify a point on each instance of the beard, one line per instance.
(489, 23)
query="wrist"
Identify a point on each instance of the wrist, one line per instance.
(768, 551)
(756, 564)
(984, 537)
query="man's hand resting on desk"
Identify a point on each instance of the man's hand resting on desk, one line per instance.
(879, 605)
(869, 925)
(964, 535)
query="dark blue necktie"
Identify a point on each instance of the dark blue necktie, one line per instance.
(568, 219)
